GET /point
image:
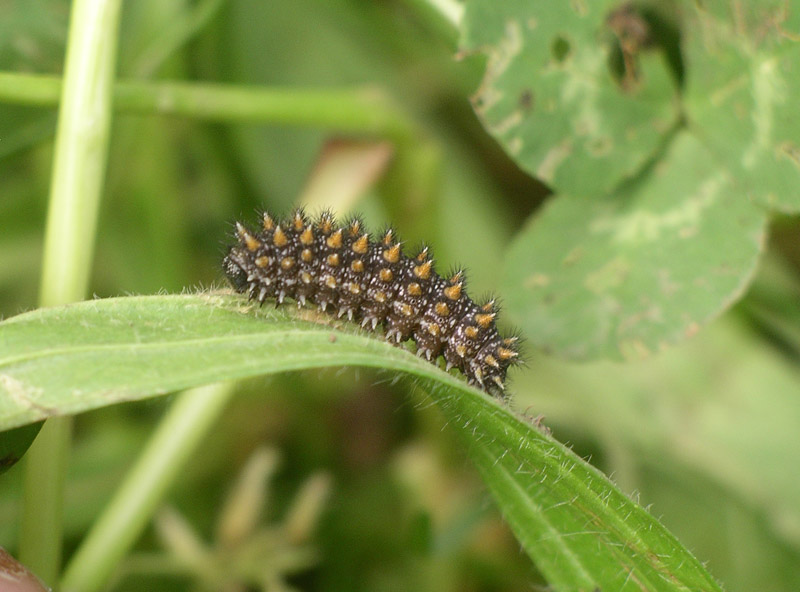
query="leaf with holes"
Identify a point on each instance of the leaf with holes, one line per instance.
(568, 94)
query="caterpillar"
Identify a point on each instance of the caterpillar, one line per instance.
(341, 269)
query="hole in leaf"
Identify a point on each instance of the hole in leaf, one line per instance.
(637, 29)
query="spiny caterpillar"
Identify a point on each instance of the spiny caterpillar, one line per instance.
(339, 267)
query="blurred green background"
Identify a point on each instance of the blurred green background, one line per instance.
(705, 433)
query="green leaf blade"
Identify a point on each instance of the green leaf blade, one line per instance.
(580, 529)
(91, 354)
(575, 524)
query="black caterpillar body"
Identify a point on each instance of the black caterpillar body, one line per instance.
(372, 281)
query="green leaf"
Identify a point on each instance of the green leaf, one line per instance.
(582, 532)
(550, 98)
(624, 276)
(578, 282)
(567, 515)
(741, 93)
(70, 359)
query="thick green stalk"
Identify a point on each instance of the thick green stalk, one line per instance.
(80, 151)
(78, 172)
(187, 422)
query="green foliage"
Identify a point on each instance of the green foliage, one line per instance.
(548, 95)
(581, 529)
(739, 88)
(103, 352)
(628, 275)
(666, 132)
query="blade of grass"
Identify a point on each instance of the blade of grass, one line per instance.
(579, 528)
(78, 172)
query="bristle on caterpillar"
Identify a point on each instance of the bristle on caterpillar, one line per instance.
(346, 272)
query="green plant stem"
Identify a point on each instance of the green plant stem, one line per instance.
(361, 110)
(44, 475)
(184, 426)
(355, 111)
(80, 152)
(78, 171)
